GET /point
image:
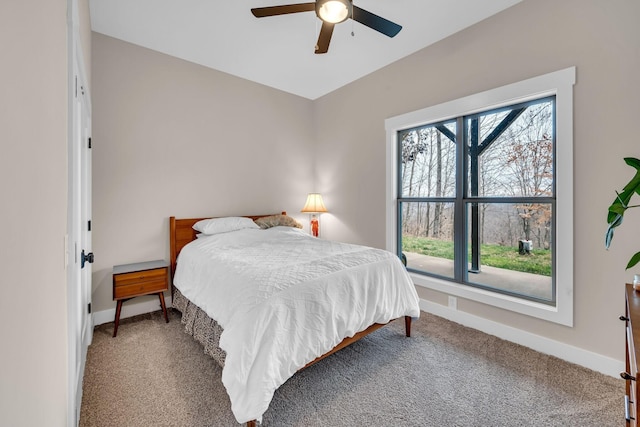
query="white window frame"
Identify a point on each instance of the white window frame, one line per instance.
(558, 83)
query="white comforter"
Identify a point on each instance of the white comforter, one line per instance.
(283, 298)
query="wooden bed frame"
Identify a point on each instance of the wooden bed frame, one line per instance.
(181, 232)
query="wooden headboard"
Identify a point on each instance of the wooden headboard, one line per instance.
(181, 232)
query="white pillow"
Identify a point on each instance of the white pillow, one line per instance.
(223, 225)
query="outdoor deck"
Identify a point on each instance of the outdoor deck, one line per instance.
(533, 285)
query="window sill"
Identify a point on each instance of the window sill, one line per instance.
(530, 308)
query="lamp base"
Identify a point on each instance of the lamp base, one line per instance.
(314, 226)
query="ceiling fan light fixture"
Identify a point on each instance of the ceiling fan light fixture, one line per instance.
(334, 11)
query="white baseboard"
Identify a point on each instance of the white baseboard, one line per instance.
(129, 309)
(579, 356)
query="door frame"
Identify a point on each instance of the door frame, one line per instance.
(79, 321)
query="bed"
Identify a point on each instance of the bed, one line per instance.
(268, 302)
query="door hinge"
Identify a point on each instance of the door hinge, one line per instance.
(89, 225)
(89, 142)
(89, 308)
(76, 87)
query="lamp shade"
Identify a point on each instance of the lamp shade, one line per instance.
(314, 204)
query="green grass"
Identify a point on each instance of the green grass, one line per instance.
(507, 257)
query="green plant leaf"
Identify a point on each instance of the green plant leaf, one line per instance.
(634, 260)
(609, 236)
(634, 184)
(612, 215)
(621, 203)
(633, 162)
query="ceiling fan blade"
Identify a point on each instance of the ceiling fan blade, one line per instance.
(324, 38)
(375, 22)
(261, 12)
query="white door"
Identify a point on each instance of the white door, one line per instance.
(86, 255)
(80, 325)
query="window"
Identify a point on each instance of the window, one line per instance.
(473, 187)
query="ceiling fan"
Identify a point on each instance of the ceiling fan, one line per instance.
(332, 12)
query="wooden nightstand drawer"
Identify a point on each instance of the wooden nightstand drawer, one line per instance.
(140, 287)
(137, 283)
(135, 280)
(125, 279)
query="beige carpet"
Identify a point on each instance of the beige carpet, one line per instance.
(154, 374)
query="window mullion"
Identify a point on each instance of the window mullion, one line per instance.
(459, 242)
(473, 145)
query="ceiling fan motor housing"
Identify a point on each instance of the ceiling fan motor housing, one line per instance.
(334, 11)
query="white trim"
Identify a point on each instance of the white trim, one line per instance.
(596, 362)
(129, 310)
(559, 83)
(526, 90)
(79, 336)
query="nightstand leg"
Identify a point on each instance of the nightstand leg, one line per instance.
(164, 308)
(118, 308)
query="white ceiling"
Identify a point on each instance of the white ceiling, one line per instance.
(279, 51)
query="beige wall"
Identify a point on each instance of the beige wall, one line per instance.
(529, 39)
(33, 189)
(174, 138)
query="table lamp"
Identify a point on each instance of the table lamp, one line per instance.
(314, 206)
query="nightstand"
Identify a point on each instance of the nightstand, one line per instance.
(138, 279)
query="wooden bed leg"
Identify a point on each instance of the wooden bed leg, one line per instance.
(407, 325)
(251, 423)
